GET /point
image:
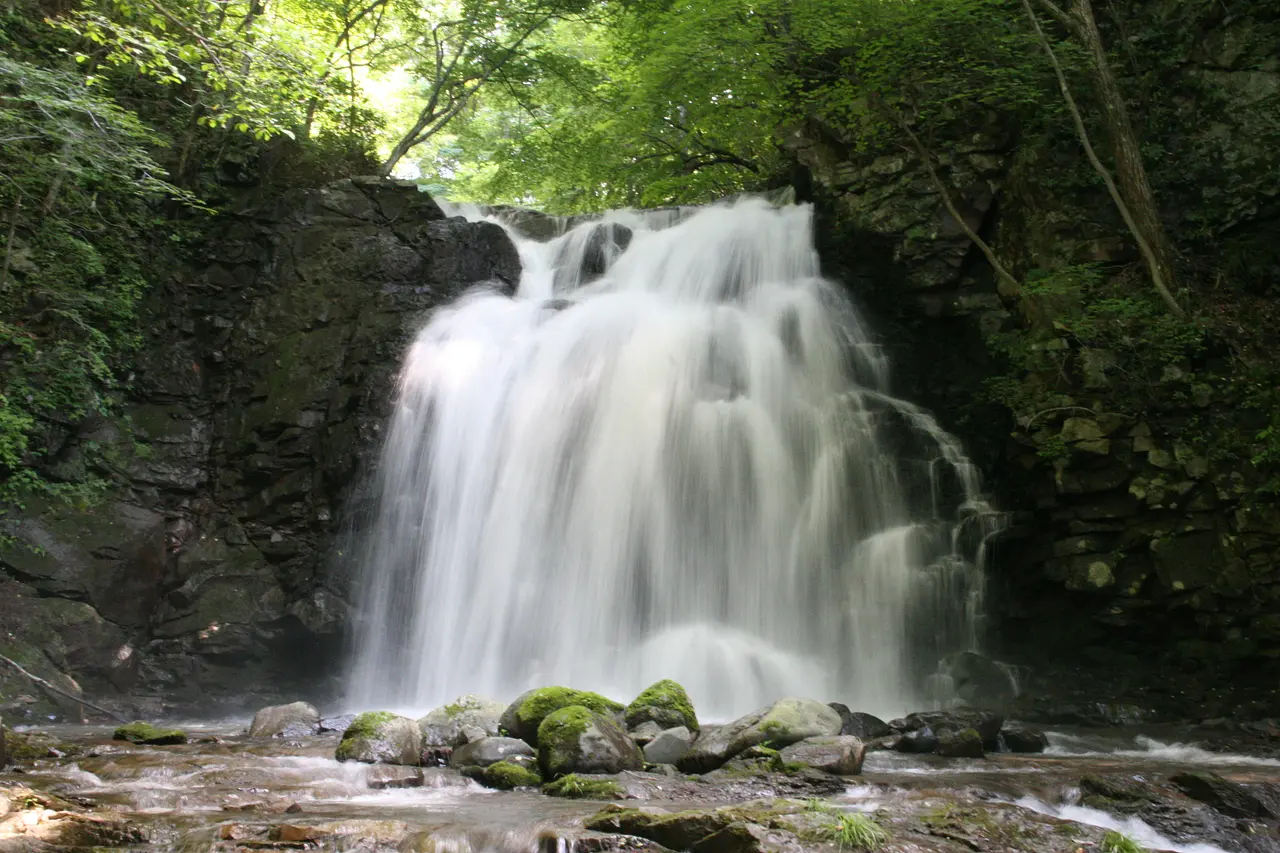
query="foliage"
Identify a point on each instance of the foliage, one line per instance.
(856, 831)
(1114, 842)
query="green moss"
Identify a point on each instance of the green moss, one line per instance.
(665, 703)
(578, 787)
(558, 737)
(140, 732)
(505, 775)
(366, 726)
(539, 704)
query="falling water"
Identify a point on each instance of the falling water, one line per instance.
(672, 454)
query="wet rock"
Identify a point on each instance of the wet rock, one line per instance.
(751, 827)
(865, 727)
(664, 703)
(1114, 794)
(579, 740)
(383, 776)
(298, 719)
(1222, 795)
(336, 724)
(377, 834)
(516, 772)
(445, 726)
(986, 723)
(981, 681)
(489, 750)
(645, 732)
(580, 787)
(524, 716)
(917, 742)
(669, 746)
(380, 737)
(145, 733)
(1023, 739)
(961, 744)
(839, 754)
(785, 722)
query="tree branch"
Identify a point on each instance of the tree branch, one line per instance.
(59, 691)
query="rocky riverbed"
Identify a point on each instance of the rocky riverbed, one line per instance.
(224, 789)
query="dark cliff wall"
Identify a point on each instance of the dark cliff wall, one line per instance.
(1144, 559)
(254, 411)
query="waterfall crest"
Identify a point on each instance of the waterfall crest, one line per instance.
(672, 454)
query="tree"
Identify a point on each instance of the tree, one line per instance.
(1132, 193)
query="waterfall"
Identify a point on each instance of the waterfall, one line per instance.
(672, 454)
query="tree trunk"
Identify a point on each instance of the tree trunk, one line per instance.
(1131, 173)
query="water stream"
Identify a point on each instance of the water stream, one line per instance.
(673, 453)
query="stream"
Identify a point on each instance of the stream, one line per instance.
(225, 791)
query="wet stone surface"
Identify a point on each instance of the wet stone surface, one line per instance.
(224, 791)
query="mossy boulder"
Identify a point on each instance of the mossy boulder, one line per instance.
(445, 725)
(524, 716)
(294, 720)
(966, 743)
(785, 722)
(508, 774)
(579, 740)
(577, 787)
(380, 737)
(145, 733)
(665, 703)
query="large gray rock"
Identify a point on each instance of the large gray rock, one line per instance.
(785, 722)
(669, 746)
(1023, 739)
(445, 725)
(578, 740)
(839, 754)
(861, 725)
(294, 720)
(490, 750)
(986, 723)
(380, 737)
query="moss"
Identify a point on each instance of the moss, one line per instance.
(558, 737)
(505, 775)
(665, 703)
(578, 787)
(140, 732)
(366, 726)
(537, 705)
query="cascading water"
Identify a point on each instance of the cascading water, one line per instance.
(671, 454)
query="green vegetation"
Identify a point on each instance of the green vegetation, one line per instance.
(573, 786)
(537, 705)
(664, 702)
(506, 775)
(145, 733)
(855, 831)
(366, 726)
(1114, 842)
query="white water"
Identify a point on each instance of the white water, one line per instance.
(1149, 748)
(1136, 829)
(690, 468)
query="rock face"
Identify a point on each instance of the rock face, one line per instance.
(256, 401)
(785, 722)
(489, 750)
(839, 754)
(444, 726)
(524, 716)
(669, 746)
(666, 704)
(578, 740)
(293, 720)
(379, 737)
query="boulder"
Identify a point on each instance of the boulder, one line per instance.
(489, 750)
(646, 732)
(986, 723)
(962, 744)
(509, 774)
(523, 717)
(669, 746)
(145, 733)
(295, 720)
(664, 703)
(1222, 795)
(862, 726)
(917, 742)
(839, 754)
(453, 724)
(579, 740)
(1022, 739)
(785, 722)
(380, 737)
(336, 724)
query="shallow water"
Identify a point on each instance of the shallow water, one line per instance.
(188, 796)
